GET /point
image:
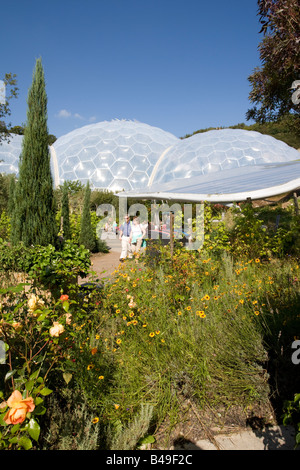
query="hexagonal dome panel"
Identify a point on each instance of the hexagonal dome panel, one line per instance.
(131, 156)
(120, 146)
(10, 153)
(218, 150)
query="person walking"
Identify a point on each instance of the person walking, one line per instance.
(136, 235)
(124, 236)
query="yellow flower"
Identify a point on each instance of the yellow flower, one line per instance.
(90, 366)
(157, 332)
(119, 341)
(188, 307)
(151, 334)
(118, 311)
(179, 313)
(116, 405)
(257, 260)
(256, 312)
(95, 420)
(101, 377)
(200, 313)
(206, 297)
(97, 336)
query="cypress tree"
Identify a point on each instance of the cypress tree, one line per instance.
(34, 214)
(65, 212)
(11, 195)
(87, 236)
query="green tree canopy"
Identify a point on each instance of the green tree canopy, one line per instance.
(8, 90)
(279, 51)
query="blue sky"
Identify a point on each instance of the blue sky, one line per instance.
(180, 65)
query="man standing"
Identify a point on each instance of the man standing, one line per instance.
(124, 236)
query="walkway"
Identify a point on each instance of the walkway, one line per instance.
(104, 264)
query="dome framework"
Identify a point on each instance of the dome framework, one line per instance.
(144, 161)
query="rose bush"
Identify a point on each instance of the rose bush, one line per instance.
(34, 329)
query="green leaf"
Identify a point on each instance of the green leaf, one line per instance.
(147, 440)
(297, 397)
(9, 375)
(15, 428)
(67, 377)
(29, 384)
(38, 401)
(34, 375)
(25, 442)
(42, 316)
(45, 391)
(40, 410)
(34, 429)
(66, 306)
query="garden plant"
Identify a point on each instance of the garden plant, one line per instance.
(194, 329)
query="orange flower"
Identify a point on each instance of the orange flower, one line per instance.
(64, 297)
(94, 350)
(18, 408)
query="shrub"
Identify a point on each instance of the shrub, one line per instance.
(52, 268)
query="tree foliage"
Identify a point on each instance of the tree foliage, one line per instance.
(280, 57)
(33, 220)
(285, 128)
(8, 90)
(87, 236)
(65, 213)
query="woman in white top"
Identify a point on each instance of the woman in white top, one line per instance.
(136, 235)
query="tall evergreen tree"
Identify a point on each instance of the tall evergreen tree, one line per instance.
(87, 236)
(65, 212)
(11, 195)
(33, 220)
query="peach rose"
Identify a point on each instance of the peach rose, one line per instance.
(57, 329)
(18, 408)
(34, 303)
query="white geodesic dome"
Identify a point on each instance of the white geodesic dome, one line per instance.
(113, 155)
(140, 159)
